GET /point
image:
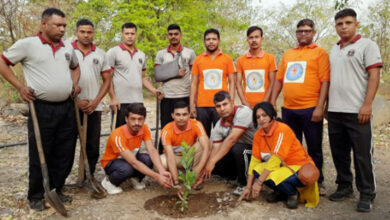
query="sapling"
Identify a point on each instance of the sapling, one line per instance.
(188, 177)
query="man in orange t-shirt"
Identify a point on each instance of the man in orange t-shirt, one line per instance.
(304, 76)
(191, 131)
(256, 71)
(210, 73)
(125, 142)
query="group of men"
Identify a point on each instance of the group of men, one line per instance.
(196, 105)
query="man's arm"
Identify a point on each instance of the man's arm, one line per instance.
(114, 103)
(171, 163)
(365, 111)
(154, 156)
(26, 93)
(240, 91)
(271, 77)
(319, 109)
(275, 92)
(193, 95)
(148, 85)
(205, 144)
(232, 85)
(107, 77)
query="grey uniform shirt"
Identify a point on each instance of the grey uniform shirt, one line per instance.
(349, 75)
(179, 87)
(45, 67)
(127, 78)
(92, 65)
(242, 119)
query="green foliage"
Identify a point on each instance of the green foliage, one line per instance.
(188, 177)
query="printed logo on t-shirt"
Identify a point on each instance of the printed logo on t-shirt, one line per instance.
(295, 73)
(254, 80)
(67, 56)
(212, 79)
(265, 156)
(95, 61)
(351, 52)
(140, 61)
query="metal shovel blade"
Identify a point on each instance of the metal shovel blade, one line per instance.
(55, 202)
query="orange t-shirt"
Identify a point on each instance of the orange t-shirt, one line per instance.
(121, 140)
(255, 75)
(282, 143)
(302, 70)
(171, 135)
(212, 74)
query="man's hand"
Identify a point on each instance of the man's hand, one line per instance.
(82, 103)
(208, 169)
(245, 194)
(159, 94)
(365, 114)
(182, 72)
(27, 94)
(169, 176)
(115, 105)
(76, 89)
(317, 115)
(164, 181)
(256, 188)
(90, 108)
(193, 111)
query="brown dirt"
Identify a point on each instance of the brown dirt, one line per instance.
(199, 205)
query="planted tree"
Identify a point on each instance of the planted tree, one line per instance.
(186, 177)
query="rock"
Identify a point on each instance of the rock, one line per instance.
(6, 212)
(219, 200)
(380, 110)
(3, 103)
(16, 109)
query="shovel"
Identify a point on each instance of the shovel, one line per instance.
(50, 196)
(157, 124)
(80, 176)
(98, 191)
(114, 120)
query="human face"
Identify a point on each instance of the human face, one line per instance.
(255, 39)
(54, 27)
(263, 119)
(211, 42)
(129, 35)
(181, 116)
(305, 35)
(346, 27)
(134, 122)
(84, 34)
(174, 37)
(224, 108)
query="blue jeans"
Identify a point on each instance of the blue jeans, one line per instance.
(287, 186)
(119, 170)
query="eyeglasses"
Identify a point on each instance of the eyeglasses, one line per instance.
(303, 31)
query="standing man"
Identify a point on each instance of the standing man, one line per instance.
(93, 66)
(232, 141)
(50, 76)
(129, 66)
(304, 76)
(175, 89)
(191, 131)
(122, 159)
(256, 71)
(355, 72)
(210, 73)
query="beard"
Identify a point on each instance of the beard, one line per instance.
(211, 50)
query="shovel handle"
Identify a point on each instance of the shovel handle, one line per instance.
(114, 120)
(157, 123)
(80, 176)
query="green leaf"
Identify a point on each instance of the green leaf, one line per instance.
(183, 163)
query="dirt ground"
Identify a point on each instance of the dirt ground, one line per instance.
(130, 204)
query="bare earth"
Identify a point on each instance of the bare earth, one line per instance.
(130, 203)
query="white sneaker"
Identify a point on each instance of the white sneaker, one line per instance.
(238, 191)
(137, 185)
(111, 188)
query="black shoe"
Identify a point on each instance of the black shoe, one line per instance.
(275, 197)
(341, 194)
(37, 204)
(64, 198)
(292, 202)
(365, 203)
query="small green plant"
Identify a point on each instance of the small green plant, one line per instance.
(188, 177)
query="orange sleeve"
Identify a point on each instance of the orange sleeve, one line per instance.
(324, 66)
(256, 145)
(117, 142)
(166, 137)
(195, 68)
(239, 66)
(281, 70)
(272, 63)
(230, 66)
(199, 129)
(147, 133)
(284, 143)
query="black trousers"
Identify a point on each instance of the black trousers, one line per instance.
(345, 133)
(208, 116)
(121, 114)
(93, 138)
(166, 109)
(57, 125)
(235, 164)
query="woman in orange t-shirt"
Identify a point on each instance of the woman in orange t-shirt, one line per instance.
(275, 144)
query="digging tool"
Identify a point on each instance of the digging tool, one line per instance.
(114, 120)
(157, 123)
(80, 176)
(50, 196)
